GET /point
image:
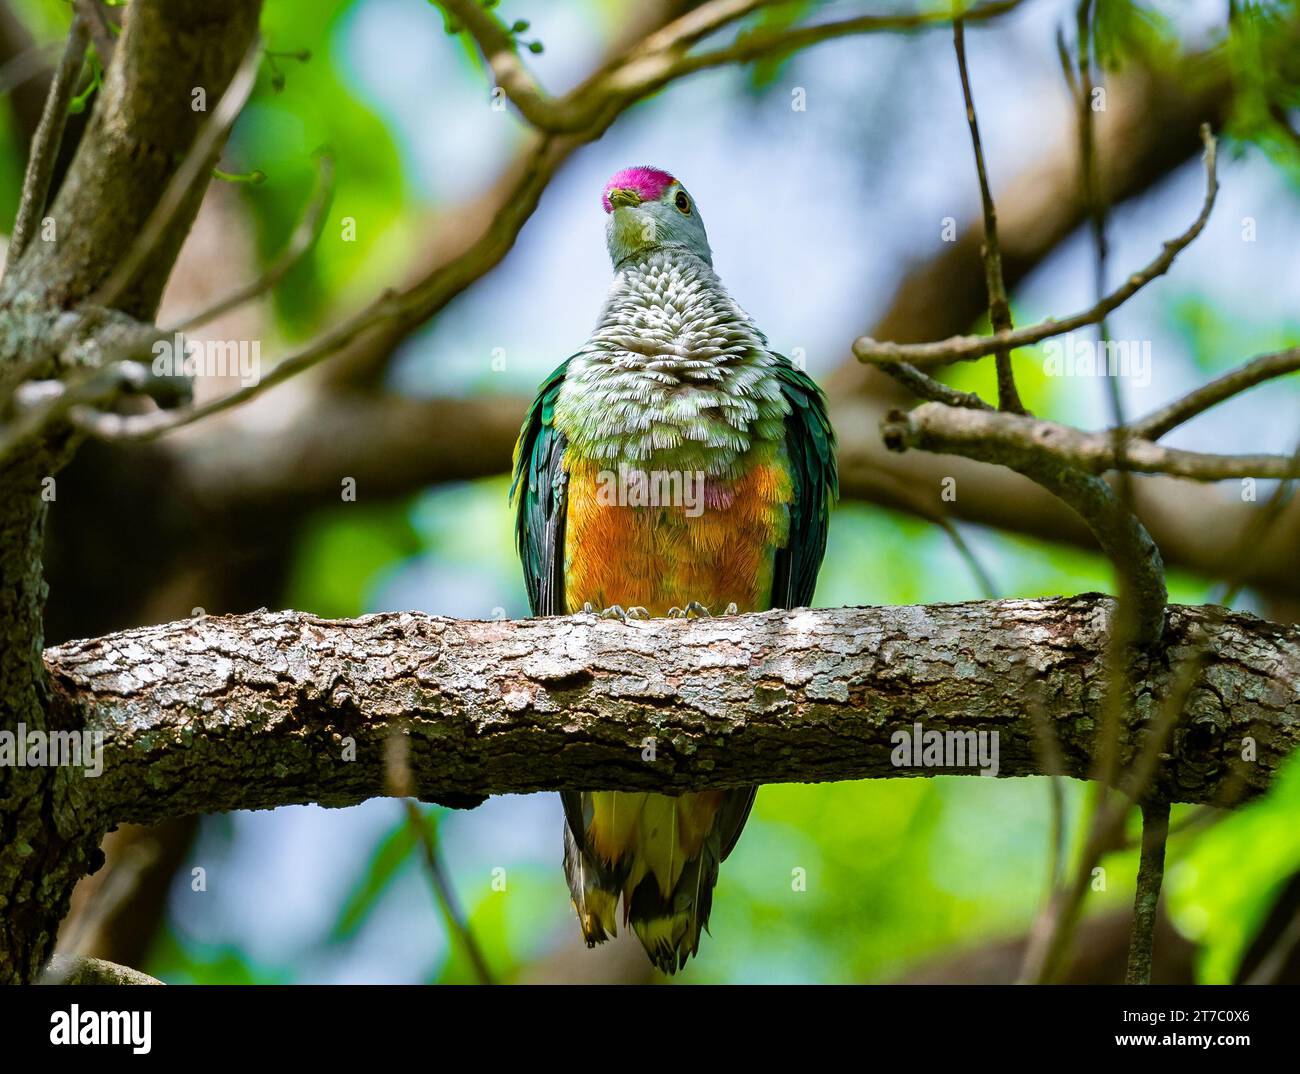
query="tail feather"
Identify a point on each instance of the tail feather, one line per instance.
(595, 889)
(660, 854)
(669, 927)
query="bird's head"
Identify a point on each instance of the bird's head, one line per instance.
(650, 210)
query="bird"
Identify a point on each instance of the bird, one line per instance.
(673, 465)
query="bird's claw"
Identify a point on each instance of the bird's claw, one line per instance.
(693, 610)
(617, 611)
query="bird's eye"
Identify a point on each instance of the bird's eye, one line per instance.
(682, 202)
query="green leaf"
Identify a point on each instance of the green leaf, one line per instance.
(1221, 891)
(391, 856)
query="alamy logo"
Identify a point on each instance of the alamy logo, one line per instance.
(75, 1026)
(23, 748)
(1078, 356)
(630, 487)
(181, 357)
(919, 748)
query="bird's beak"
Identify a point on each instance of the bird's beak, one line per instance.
(621, 197)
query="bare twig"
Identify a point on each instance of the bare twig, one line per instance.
(62, 399)
(968, 348)
(27, 64)
(923, 386)
(388, 307)
(1266, 367)
(446, 893)
(1151, 872)
(303, 238)
(1272, 965)
(400, 783)
(999, 306)
(49, 135)
(982, 577)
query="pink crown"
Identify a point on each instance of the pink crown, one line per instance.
(649, 183)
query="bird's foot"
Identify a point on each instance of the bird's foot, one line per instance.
(617, 611)
(696, 610)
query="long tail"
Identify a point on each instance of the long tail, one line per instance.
(669, 926)
(660, 853)
(595, 889)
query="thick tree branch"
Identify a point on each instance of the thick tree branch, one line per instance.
(197, 162)
(990, 436)
(977, 433)
(145, 122)
(266, 709)
(72, 970)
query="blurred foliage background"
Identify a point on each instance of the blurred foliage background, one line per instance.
(814, 217)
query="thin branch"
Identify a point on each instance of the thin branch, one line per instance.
(401, 784)
(968, 348)
(92, 13)
(193, 167)
(1203, 816)
(445, 893)
(1274, 964)
(663, 57)
(1252, 535)
(1008, 440)
(1266, 367)
(982, 577)
(770, 44)
(27, 64)
(303, 239)
(1042, 931)
(49, 136)
(977, 433)
(55, 400)
(923, 386)
(999, 306)
(387, 308)
(1151, 872)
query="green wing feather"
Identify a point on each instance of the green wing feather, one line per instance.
(539, 493)
(810, 450)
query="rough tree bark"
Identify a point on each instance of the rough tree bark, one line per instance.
(264, 710)
(139, 134)
(268, 709)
